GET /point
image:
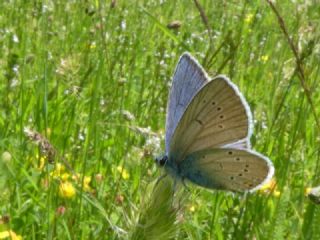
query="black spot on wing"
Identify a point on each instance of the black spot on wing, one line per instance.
(199, 121)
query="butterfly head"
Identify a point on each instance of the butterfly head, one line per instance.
(161, 160)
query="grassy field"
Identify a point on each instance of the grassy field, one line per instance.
(83, 89)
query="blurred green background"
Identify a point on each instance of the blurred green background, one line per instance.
(83, 89)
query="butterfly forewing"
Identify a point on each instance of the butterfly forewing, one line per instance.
(217, 116)
(227, 169)
(188, 78)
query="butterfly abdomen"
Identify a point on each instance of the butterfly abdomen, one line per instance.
(172, 167)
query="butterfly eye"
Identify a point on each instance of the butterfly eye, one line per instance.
(199, 121)
(161, 160)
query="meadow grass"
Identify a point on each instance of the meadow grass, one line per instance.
(84, 89)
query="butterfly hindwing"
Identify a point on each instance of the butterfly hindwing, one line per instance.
(217, 116)
(188, 78)
(227, 169)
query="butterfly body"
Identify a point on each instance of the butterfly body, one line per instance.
(185, 170)
(208, 131)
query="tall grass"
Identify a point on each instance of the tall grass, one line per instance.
(92, 78)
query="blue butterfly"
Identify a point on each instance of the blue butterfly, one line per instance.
(208, 129)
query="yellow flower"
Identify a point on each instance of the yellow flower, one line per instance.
(276, 193)
(124, 173)
(59, 167)
(58, 170)
(10, 234)
(65, 176)
(264, 58)
(87, 180)
(269, 185)
(307, 191)
(48, 131)
(87, 188)
(192, 208)
(93, 45)
(67, 190)
(248, 19)
(86, 184)
(42, 161)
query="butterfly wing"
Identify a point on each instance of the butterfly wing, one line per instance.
(227, 169)
(217, 116)
(188, 78)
